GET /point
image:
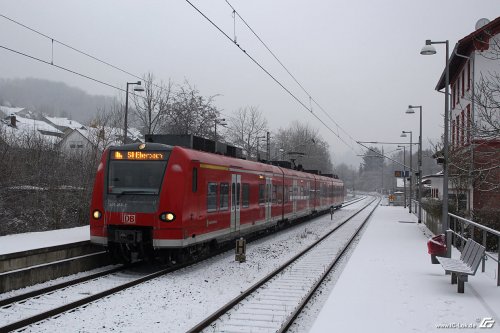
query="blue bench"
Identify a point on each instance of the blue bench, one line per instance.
(468, 263)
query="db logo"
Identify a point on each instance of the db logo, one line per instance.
(128, 218)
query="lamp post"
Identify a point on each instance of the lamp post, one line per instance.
(410, 111)
(220, 122)
(404, 172)
(403, 135)
(137, 87)
(428, 49)
(258, 141)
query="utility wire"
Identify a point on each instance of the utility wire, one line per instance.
(71, 47)
(268, 73)
(61, 67)
(291, 75)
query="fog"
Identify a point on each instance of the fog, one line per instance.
(359, 60)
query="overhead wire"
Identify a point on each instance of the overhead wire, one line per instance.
(268, 73)
(291, 75)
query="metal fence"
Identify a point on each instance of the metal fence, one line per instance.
(460, 229)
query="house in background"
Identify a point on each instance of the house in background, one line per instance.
(25, 132)
(474, 149)
(63, 124)
(87, 139)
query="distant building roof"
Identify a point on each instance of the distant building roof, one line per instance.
(64, 122)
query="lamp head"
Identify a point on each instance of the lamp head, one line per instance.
(138, 86)
(428, 49)
(403, 135)
(410, 110)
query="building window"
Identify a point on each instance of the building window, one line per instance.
(224, 196)
(458, 129)
(463, 82)
(453, 133)
(462, 129)
(468, 75)
(453, 96)
(212, 197)
(469, 120)
(245, 195)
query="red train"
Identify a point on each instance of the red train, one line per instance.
(152, 196)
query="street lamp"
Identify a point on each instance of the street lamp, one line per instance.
(428, 49)
(404, 171)
(410, 111)
(258, 141)
(403, 135)
(220, 122)
(137, 87)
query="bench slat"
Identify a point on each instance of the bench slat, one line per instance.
(468, 263)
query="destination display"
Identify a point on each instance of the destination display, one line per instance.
(139, 155)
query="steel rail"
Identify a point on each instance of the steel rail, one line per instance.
(225, 308)
(70, 306)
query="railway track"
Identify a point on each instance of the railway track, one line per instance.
(56, 299)
(273, 303)
(23, 310)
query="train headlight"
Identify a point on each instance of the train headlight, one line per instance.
(96, 214)
(167, 217)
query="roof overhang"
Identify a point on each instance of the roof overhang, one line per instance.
(477, 40)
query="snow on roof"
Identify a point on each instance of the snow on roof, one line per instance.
(27, 129)
(26, 124)
(64, 122)
(7, 111)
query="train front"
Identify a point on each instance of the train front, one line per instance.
(126, 199)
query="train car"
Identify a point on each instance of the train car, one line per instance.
(150, 197)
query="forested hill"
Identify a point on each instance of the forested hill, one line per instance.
(51, 98)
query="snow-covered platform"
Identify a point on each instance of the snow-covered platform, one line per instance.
(390, 285)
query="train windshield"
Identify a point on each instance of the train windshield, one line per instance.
(136, 177)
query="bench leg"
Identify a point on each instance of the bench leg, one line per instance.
(461, 283)
(453, 278)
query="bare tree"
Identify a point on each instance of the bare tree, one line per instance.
(191, 113)
(153, 106)
(245, 128)
(304, 146)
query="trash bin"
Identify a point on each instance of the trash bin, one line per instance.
(436, 246)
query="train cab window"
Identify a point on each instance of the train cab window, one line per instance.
(212, 197)
(262, 193)
(245, 195)
(224, 196)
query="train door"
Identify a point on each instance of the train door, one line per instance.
(235, 202)
(294, 196)
(308, 195)
(269, 197)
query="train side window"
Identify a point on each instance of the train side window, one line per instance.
(262, 193)
(245, 195)
(275, 194)
(279, 194)
(285, 194)
(224, 196)
(212, 197)
(195, 180)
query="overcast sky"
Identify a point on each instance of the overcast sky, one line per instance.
(358, 59)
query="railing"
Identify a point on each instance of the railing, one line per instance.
(461, 229)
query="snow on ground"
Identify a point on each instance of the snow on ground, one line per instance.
(179, 300)
(35, 240)
(389, 285)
